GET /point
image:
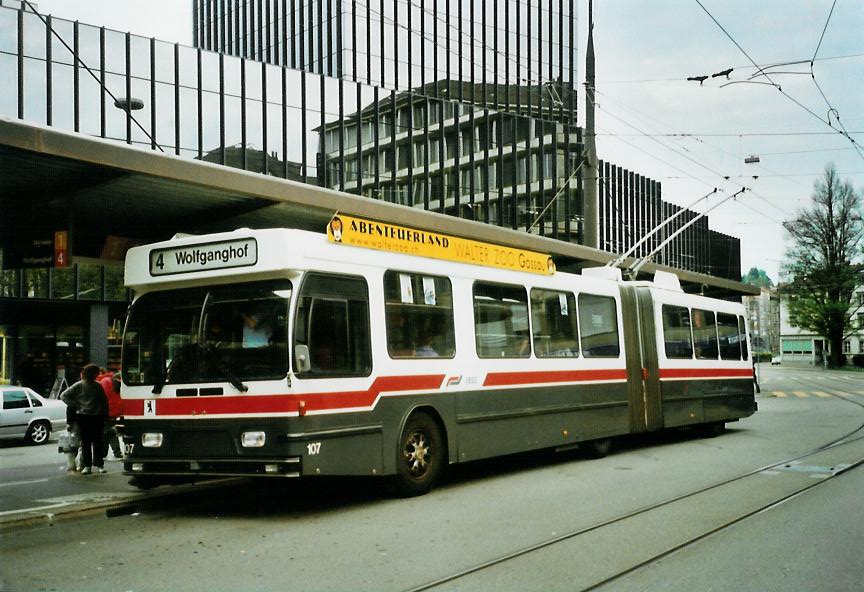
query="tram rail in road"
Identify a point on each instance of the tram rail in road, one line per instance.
(690, 489)
(824, 463)
(117, 499)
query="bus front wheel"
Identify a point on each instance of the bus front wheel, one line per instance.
(421, 455)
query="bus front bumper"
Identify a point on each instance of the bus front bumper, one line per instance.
(216, 467)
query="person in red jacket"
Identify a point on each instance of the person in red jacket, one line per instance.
(111, 385)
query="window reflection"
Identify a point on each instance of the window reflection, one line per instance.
(115, 119)
(140, 90)
(8, 79)
(188, 122)
(115, 52)
(139, 57)
(404, 147)
(34, 37)
(9, 31)
(165, 117)
(165, 62)
(62, 31)
(35, 95)
(62, 97)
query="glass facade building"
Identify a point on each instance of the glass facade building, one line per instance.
(410, 147)
(497, 48)
(486, 130)
(463, 107)
(630, 205)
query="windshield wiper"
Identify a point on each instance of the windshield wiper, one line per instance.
(222, 366)
(163, 376)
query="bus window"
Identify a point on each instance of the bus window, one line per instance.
(704, 334)
(419, 315)
(501, 321)
(333, 325)
(598, 321)
(742, 337)
(199, 334)
(676, 332)
(553, 316)
(727, 330)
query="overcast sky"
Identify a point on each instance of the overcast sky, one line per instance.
(688, 136)
(647, 50)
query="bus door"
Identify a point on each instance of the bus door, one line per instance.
(333, 357)
(643, 387)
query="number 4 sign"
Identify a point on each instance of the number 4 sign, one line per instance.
(61, 249)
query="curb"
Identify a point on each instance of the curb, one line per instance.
(133, 502)
(50, 516)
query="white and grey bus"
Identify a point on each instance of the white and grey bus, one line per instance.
(380, 350)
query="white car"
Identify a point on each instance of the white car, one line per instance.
(25, 414)
(775, 361)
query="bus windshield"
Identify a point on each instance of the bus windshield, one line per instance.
(229, 333)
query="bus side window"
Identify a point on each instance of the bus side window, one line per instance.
(598, 322)
(501, 326)
(419, 315)
(727, 330)
(676, 332)
(553, 316)
(742, 336)
(704, 334)
(333, 323)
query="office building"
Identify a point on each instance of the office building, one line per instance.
(460, 108)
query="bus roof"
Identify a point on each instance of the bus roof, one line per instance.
(245, 254)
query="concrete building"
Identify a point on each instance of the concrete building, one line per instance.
(764, 317)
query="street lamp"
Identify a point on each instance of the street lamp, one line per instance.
(130, 104)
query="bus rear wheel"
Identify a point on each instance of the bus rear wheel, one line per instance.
(421, 455)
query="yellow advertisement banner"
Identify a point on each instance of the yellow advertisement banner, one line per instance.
(360, 232)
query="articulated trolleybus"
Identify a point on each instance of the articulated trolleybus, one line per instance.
(390, 351)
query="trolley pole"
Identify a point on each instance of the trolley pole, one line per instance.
(590, 206)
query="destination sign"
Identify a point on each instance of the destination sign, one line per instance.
(204, 257)
(382, 236)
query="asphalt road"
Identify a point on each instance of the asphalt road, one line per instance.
(345, 534)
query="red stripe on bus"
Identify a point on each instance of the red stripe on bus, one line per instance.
(240, 404)
(512, 378)
(706, 373)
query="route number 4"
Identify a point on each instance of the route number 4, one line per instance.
(313, 448)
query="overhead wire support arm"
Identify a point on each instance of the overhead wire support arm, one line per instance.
(617, 262)
(634, 269)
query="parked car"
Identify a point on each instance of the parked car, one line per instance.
(25, 414)
(775, 361)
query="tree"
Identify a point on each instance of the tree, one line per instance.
(757, 277)
(823, 262)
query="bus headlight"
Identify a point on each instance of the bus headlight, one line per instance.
(151, 440)
(253, 439)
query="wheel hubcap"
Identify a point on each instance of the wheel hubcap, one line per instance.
(39, 433)
(416, 453)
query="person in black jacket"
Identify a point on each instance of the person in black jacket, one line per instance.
(91, 407)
